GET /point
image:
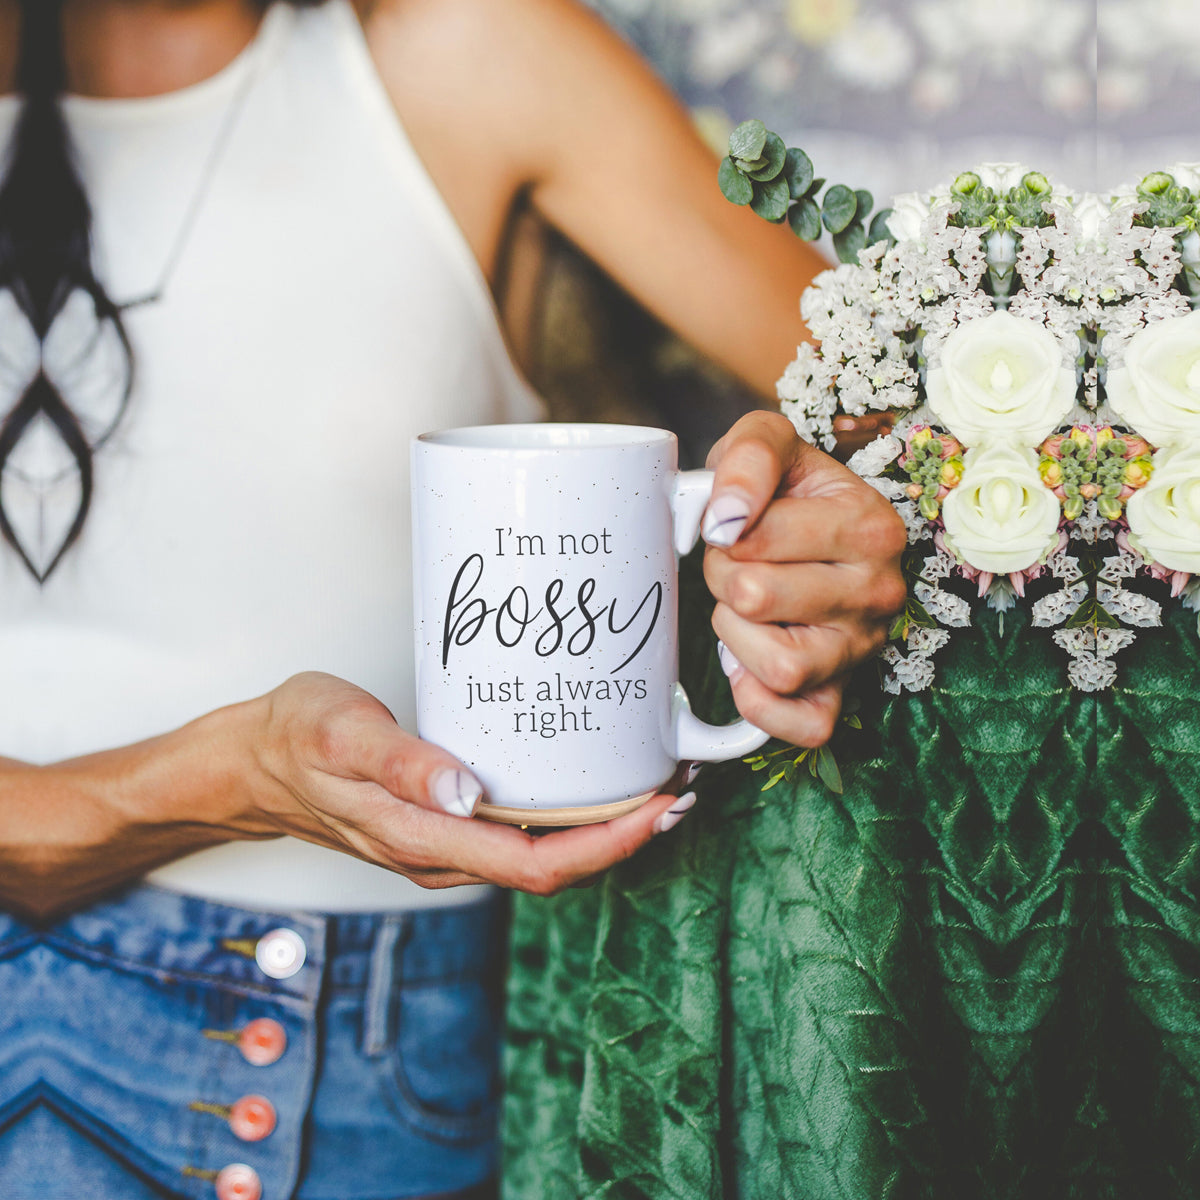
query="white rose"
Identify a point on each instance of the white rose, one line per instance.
(1164, 516)
(909, 212)
(1001, 518)
(1001, 378)
(1186, 175)
(1157, 391)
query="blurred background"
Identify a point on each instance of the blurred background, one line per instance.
(891, 95)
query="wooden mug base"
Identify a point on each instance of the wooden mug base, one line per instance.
(591, 814)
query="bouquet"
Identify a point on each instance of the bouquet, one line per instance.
(1039, 352)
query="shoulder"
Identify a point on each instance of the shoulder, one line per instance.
(521, 28)
(520, 75)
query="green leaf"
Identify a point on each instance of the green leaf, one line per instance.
(748, 139)
(805, 220)
(735, 187)
(855, 722)
(1091, 614)
(866, 202)
(815, 187)
(915, 613)
(746, 165)
(773, 156)
(827, 770)
(766, 787)
(798, 171)
(771, 200)
(850, 241)
(838, 208)
(879, 230)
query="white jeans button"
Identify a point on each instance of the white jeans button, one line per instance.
(280, 953)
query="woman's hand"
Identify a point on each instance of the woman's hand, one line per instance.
(326, 762)
(804, 560)
(316, 758)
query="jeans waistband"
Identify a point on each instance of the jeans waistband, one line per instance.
(177, 937)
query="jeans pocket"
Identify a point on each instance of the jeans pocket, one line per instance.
(443, 1071)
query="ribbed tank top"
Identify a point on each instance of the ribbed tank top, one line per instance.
(251, 509)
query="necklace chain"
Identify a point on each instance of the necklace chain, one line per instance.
(212, 162)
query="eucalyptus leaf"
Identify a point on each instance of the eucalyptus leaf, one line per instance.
(805, 220)
(746, 166)
(838, 208)
(813, 188)
(827, 769)
(748, 139)
(798, 171)
(735, 187)
(879, 229)
(773, 156)
(771, 200)
(850, 241)
(866, 202)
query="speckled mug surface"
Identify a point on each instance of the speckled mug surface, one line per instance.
(545, 577)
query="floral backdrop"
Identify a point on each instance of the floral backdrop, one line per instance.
(896, 94)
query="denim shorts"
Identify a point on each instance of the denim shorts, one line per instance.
(126, 1070)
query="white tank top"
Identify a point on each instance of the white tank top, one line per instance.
(251, 511)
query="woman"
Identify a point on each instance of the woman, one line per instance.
(299, 229)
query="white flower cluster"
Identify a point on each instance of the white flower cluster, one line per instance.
(1044, 381)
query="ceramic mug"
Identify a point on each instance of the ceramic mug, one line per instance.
(546, 581)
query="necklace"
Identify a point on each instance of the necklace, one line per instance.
(208, 172)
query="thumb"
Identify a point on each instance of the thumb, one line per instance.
(374, 748)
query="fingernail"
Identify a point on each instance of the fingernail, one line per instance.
(675, 814)
(726, 518)
(456, 792)
(689, 776)
(729, 664)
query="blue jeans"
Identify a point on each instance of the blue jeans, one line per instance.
(120, 1064)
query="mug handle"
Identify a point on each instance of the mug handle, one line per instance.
(696, 740)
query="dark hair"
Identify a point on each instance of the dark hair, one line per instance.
(45, 255)
(46, 258)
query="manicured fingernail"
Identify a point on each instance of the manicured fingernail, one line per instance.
(689, 776)
(729, 664)
(457, 792)
(675, 814)
(726, 518)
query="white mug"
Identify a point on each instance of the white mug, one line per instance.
(546, 580)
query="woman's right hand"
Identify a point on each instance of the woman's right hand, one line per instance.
(316, 758)
(326, 762)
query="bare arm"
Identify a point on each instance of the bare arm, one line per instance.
(316, 758)
(540, 98)
(78, 828)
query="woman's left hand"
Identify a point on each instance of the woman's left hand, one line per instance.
(804, 561)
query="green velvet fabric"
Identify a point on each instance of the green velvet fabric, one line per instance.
(974, 974)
